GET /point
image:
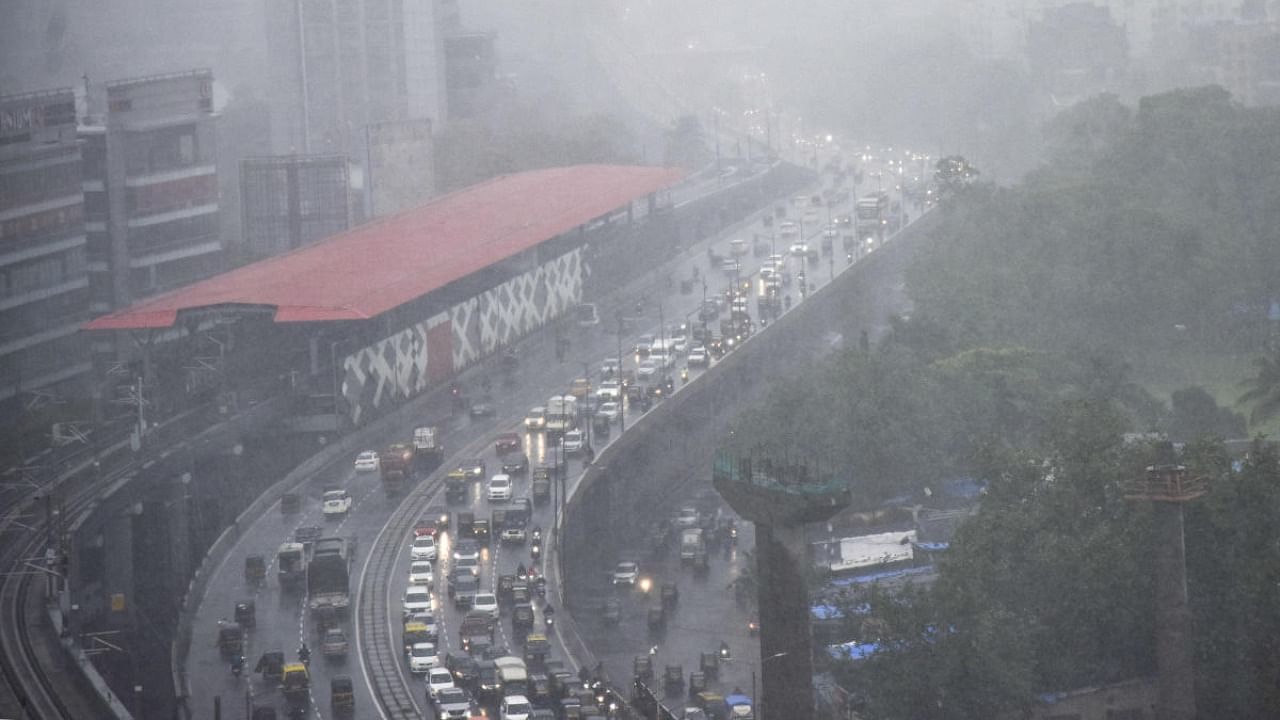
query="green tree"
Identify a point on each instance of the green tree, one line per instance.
(1197, 415)
(1263, 389)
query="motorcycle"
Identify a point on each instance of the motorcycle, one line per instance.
(237, 666)
(304, 655)
(537, 535)
(535, 551)
(684, 375)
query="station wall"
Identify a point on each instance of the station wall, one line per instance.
(398, 367)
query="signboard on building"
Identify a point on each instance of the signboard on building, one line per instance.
(401, 168)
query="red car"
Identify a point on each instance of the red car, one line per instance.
(507, 442)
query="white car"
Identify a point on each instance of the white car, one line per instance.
(698, 356)
(367, 461)
(646, 369)
(421, 573)
(572, 442)
(466, 550)
(609, 390)
(470, 564)
(738, 246)
(500, 488)
(438, 678)
(643, 345)
(486, 602)
(609, 411)
(417, 598)
(516, 707)
(422, 657)
(688, 517)
(626, 573)
(610, 367)
(679, 344)
(536, 419)
(799, 248)
(424, 548)
(337, 503)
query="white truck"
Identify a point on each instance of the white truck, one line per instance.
(562, 413)
(691, 544)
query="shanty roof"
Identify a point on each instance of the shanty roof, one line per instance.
(366, 271)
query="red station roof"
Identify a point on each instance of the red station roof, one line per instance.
(374, 268)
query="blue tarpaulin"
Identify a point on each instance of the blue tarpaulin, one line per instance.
(886, 575)
(853, 650)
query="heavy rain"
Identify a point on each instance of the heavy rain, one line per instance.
(639, 359)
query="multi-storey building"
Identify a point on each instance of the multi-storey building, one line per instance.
(340, 66)
(290, 201)
(44, 285)
(151, 187)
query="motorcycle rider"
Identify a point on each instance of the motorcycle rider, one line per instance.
(304, 653)
(237, 665)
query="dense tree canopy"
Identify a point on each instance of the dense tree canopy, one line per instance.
(1151, 231)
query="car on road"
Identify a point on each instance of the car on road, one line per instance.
(799, 248)
(334, 643)
(454, 704)
(536, 419)
(499, 488)
(421, 573)
(514, 535)
(483, 410)
(438, 514)
(515, 463)
(610, 367)
(626, 573)
(471, 565)
(643, 345)
(367, 461)
(417, 598)
(507, 442)
(646, 369)
(609, 411)
(472, 468)
(466, 550)
(423, 657)
(438, 678)
(698, 357)
(424, 548)
(516, 707)
(572, 442)
(486, 602)
(688, 517)
(738, 246)
(609, 390)
(337, 503)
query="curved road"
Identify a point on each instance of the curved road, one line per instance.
(282, 621)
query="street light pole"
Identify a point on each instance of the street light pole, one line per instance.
(586, 373)
(622, 391)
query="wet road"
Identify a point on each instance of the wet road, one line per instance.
(699, 623)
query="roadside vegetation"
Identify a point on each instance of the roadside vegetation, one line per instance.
(1147, 241)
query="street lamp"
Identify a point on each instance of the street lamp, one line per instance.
(622, 391)
(758, 700)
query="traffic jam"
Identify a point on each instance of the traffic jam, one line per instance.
(476, 628)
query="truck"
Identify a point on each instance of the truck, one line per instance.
(562, 413)
(428, 452)
(691, 544)
(396, 464)
(291, 565)
(328, 573)
(872, 213)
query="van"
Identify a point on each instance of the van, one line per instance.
(513, 674)
(691, 543)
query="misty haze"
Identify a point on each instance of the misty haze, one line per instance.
(640, 359)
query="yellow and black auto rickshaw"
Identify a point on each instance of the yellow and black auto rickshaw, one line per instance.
(342, 698)
(255, 570)
(296, 683)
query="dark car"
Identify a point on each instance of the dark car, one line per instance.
(488, 683)
(464, 668)
(515, 463)
(437, 515)
(454, 703)
(483, 409)
(472, 468)
(507, 442)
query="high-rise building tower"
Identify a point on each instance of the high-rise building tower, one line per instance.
(343, 65)
(44, 285)
(151, 187)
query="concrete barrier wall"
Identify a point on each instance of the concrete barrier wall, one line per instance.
(639, 478)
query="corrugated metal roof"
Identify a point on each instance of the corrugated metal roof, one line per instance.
(374, 268)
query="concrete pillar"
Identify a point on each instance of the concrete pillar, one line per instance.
(786, 661)
(1177, 691)
(117, 560)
